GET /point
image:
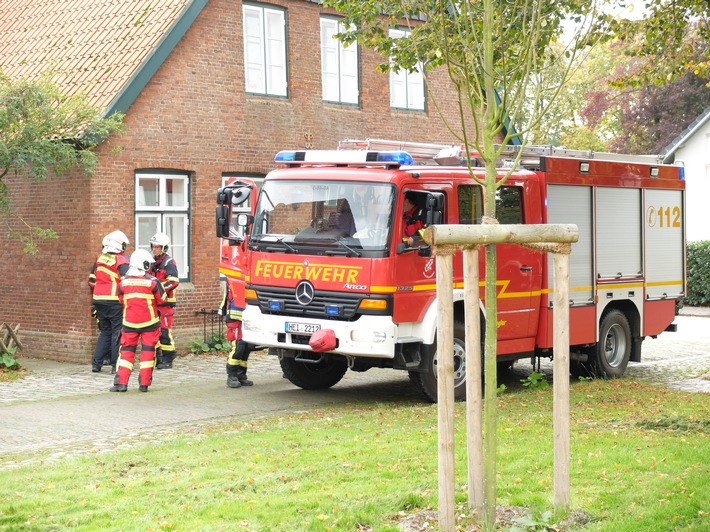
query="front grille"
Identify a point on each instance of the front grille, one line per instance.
(316, 309)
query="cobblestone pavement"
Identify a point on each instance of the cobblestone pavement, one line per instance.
(63, 409)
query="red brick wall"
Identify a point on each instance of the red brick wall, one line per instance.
(193, 116)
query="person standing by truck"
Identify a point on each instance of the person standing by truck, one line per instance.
(108, 268)
(165, 270)
(140, 294)
(233, 304)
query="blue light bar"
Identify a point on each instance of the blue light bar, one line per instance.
(344, 157)
(398, 157)
(275, 304)
(682, 173)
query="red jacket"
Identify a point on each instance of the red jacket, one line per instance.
(105, 274)
(413, 221)
(140, 297)
(165, 270)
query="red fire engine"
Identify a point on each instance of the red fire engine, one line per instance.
(325, 249)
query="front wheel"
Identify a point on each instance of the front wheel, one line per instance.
(614, 348)
(313, 375)
(427, 383)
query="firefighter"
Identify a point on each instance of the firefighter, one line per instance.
(414, 217)
(109, 267)
(141, 294)
(165, 270)
(231, 308)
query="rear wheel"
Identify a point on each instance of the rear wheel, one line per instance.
(614, 347)
(427, 383)
(313, 375)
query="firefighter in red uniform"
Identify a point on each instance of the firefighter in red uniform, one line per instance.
(141, 294)
(165, 270)
(414, 217)
(108, 269)
(233, 303)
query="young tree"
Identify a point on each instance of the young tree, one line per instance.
(42, 130)
(490, 49)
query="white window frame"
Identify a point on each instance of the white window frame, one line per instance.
(265, 50)
(406, 88)
(340, 70)
(159, 215)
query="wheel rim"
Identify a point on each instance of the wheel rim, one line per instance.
(614, 345)
(459, 365)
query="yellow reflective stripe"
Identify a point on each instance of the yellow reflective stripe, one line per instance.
(125, 364)
(146, 364)
(383, 289)
(140, 325)
(108, 272)
(137, 295)
(665, 283)
(106, 298)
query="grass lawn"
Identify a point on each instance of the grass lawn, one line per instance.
(640, 461)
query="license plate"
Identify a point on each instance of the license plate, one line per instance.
(305, 328)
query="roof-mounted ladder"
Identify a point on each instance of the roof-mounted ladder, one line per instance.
(454, 154)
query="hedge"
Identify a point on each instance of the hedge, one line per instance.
(698, 274)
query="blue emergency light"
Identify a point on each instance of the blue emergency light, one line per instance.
(344, 157)
(333, 310)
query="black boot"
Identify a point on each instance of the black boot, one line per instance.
(118, 388)
(242, 376)
(233, 382)
(143, 387)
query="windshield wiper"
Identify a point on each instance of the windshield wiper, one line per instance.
(350, 251)
(269, 245)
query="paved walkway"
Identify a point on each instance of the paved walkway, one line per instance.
(63, 409)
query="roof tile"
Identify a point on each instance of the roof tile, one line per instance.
(83, 41)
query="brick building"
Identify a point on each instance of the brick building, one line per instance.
(210, 89)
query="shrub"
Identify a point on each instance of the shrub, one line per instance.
(217, 343)
(698, 273)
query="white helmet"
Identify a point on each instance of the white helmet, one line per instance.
(160, 239)
(141, 260)
(114, 242)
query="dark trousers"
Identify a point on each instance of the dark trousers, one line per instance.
(110, 321)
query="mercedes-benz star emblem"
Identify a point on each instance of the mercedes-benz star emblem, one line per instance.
(304, 293)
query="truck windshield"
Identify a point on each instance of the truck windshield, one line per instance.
(333, 215)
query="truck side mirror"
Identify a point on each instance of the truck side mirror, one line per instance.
(434, 208)
(240, 195)
(224, 196)
(222, 219)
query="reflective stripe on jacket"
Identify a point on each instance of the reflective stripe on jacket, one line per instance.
(105, 275)
(165, 270)
(141, 297)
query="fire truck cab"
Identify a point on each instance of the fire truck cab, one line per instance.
(326, 248)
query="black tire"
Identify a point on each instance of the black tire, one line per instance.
(427, 383)
(310, 376)
(614, 348)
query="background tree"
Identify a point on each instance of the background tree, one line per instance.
(43, 130)
(641, 86)
(491, 50)
(672, 39)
